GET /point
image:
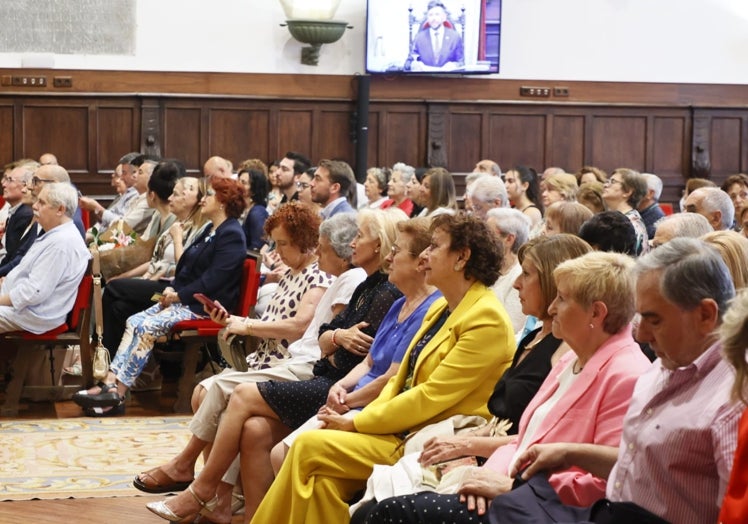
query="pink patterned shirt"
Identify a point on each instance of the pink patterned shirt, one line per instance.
(679, 438)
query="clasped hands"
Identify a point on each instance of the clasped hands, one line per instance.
(169, 297)
(354, 340)
(479, 485)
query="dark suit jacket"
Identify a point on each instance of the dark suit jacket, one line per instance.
(451, 51)
(25, 243)
(17, 224)
(212, 265)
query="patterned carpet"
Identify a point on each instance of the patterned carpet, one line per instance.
(83, 457)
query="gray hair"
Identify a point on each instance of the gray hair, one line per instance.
(406, 171)
(62, 194)
(691, 225)
(512, 222)
(692, 271)
(489, 189)
(340, 230)
(128, 158)
(717, 200)
(654, 183)
(27, 171)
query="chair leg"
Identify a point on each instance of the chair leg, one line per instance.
(187, 380)
(15, 386)
(51, 350)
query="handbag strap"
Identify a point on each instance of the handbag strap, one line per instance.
(96, 268)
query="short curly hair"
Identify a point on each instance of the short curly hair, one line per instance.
(231, 194)
(300, 222)
(486, 252)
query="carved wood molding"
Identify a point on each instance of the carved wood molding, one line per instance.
(150, 127)
(438, 116)
(701, 164)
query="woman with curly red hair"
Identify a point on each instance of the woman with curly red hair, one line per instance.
(210, 265)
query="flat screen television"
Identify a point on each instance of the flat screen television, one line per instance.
(433, 36)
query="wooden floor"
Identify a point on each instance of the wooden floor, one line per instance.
(98, 510)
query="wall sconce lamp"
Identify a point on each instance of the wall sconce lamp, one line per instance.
(310, 22)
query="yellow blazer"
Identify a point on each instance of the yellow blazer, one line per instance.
(455, 372)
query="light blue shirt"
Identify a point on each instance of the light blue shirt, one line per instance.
(43, 286)
(119, 209)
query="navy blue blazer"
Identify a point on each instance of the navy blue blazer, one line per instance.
(26, 242)
(17, 224)
(212, 265)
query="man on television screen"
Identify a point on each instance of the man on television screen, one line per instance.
(436, 46)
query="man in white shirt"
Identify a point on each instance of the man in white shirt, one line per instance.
(38, 293)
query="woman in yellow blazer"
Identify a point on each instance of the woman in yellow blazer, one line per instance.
(464, 345)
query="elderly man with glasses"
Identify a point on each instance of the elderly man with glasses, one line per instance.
(20, 214)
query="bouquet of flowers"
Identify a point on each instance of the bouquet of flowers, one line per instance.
(120, 248)
(117, 235)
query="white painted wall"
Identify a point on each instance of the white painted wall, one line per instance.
(685, 41)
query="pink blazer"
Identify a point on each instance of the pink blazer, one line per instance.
(591, 411)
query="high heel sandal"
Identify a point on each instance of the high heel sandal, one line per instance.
(162, 510)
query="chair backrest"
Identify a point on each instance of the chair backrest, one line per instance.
(250, 287)
(82, 302)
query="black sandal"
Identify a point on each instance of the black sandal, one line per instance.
(108, 396)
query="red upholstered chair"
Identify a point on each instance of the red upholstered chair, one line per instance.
(195, 333)
(75, 331)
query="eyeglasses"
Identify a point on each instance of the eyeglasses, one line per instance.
(35, 181)
(210, 192)
(302, 185)
(612, 181)
(395, 249)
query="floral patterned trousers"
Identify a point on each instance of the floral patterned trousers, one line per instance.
(141, 332)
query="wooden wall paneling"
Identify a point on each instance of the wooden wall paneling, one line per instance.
(720, 142)
(372, 154)
(670, 154)
(57, 126)
(295, 130)
(517, 137)
(117, 132)
(725, 146)
(464, 139)
(333, 133)
(6, 132)
(619, 140)
(230, 134)
(402, 134)
(565, 142)
(181, 138)
(744, 145)
(91, 178)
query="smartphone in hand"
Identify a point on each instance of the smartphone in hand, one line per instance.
(204, 300)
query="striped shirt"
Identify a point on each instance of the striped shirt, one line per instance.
(679, 438)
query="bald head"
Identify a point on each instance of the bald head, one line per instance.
(52, 172)
(217, 167)
(48, 159)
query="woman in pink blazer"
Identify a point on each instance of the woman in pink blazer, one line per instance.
(583, 399)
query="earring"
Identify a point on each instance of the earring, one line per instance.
(457, 267)
(592, 326)
(376, 251)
